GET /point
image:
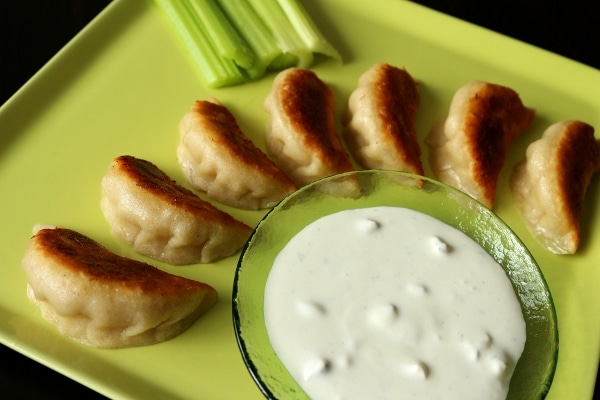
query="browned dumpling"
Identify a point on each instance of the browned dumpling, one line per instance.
(217, 158)
(380, 120)
(549, 186)
(301, 134)
(104, 300)
(163, 220)
(469, 147)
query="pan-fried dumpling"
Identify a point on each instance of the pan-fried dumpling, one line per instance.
(301, 134)
(469, 147)
(163, 220)
(549, 186)
(217, 158)
(380, 120)
(104, 300)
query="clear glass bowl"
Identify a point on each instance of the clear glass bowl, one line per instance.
(535, 370)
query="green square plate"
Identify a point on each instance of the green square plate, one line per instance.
(121, 86)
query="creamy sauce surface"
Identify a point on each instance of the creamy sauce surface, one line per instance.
(390, 303)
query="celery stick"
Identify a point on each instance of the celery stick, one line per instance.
(253, 30)
(285, 60)
(226, 39)
(307, 30)
(285, 34)
(214, 70)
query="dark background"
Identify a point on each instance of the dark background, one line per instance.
(32, 31)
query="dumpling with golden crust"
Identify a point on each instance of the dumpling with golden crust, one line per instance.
(380, 120)
(163, 220)
(549, 186)
(469, 147)
(217, 158)
(301, 134)
(104, 300)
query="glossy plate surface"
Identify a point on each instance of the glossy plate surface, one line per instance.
(535, 369)
(121, 87)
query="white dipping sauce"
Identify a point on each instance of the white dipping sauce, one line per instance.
(390, 303)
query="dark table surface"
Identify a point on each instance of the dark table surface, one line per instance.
(32, 31)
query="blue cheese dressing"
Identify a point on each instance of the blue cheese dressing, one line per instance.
(390, 303)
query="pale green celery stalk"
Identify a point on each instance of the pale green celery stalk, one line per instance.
(307, 29)
(226, 39)
(214, 70)
(285, 34)
(257, 35)
(285, 60)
